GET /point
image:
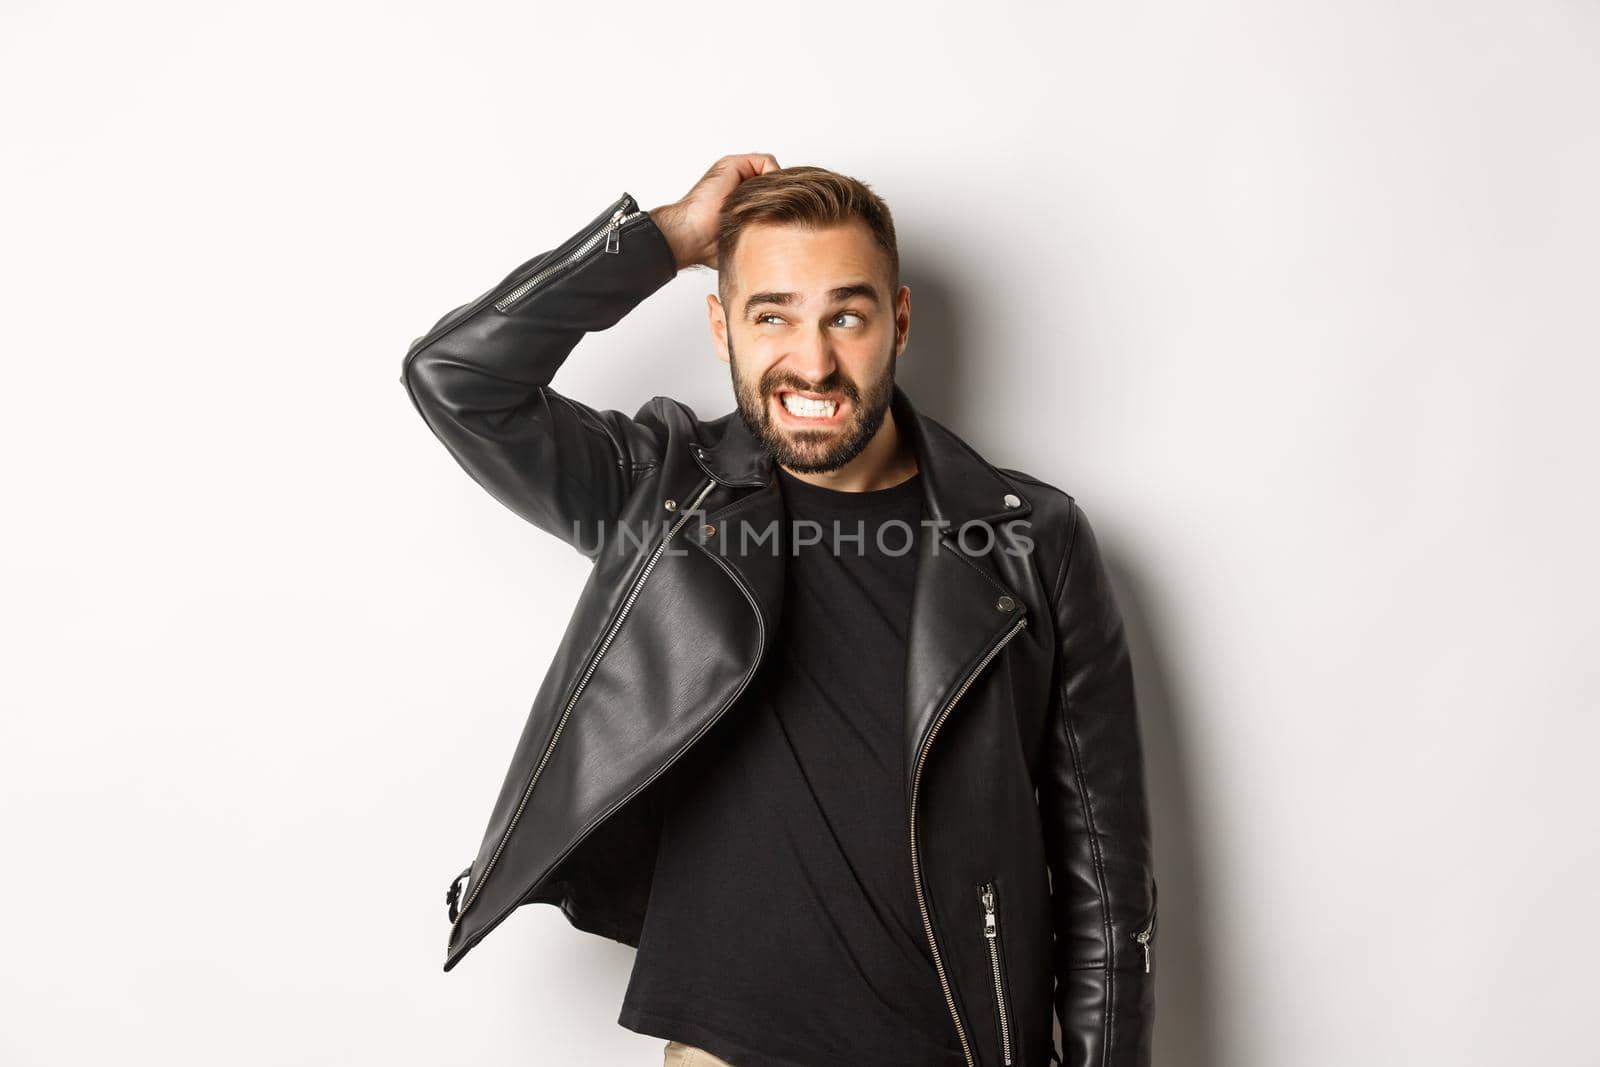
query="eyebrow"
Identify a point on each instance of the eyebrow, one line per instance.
(843, 292)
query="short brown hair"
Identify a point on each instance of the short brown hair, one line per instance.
(813, 196)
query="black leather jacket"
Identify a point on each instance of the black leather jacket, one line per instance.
(1028, 826)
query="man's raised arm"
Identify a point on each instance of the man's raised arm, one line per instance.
(480, 377)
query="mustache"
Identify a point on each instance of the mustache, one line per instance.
(833, 383)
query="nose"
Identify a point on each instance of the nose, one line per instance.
(812, 356)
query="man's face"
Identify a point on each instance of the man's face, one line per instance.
(811, 336)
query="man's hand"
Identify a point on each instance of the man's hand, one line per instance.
(690, 225)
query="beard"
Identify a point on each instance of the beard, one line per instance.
(812, 451)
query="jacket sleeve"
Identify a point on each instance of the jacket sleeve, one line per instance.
(480, 378)
(1097, 825)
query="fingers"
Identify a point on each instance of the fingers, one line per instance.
(750, 164)
(699, 207)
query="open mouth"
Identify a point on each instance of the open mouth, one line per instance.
(811, 409)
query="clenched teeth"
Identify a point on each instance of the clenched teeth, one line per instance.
(808, 408)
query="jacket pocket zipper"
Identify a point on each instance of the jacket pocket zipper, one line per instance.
(991, 932)
(1145, 936)
(610, 232)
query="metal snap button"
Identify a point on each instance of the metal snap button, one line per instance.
(708, 529)
(1005, 603)
(670, 504)
(1013, 501)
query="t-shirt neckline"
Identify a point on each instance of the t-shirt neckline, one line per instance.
(807, 496)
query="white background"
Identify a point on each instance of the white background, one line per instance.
(1297, 299)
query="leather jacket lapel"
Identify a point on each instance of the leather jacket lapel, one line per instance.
(744, 541)
(962, 605)
(960, 610)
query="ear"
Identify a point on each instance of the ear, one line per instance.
(902, 319)
(718, 321)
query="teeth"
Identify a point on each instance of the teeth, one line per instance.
(808, 408)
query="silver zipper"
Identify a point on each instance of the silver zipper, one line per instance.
(1144, 936)
(610, 231)
(916, 871)
(567, 710)
(991, 930)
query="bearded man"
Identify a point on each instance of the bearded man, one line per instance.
(842, 735)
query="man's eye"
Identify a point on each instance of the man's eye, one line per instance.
(847, 315)
(763, 318)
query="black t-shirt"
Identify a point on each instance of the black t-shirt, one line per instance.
(782, 928)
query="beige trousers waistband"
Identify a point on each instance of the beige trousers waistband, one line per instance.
(678, 1054)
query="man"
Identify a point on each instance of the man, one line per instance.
(856, 798)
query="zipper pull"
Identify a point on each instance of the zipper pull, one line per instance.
(1143, 937)
(613, 237)
(988, 913)
(453, 897)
